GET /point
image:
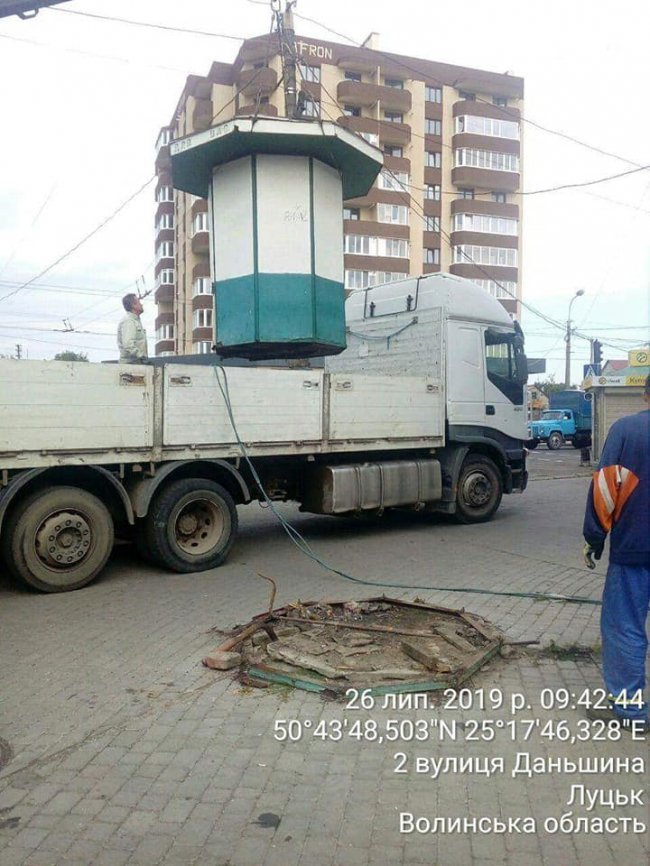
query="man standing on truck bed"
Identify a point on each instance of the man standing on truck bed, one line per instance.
(131, 335)
(619, 502)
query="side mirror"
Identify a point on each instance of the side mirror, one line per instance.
(521, 367)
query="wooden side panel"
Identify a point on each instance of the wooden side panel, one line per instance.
(390, 407)
(268, 405)
(61, 406)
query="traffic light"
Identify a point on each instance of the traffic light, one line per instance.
(597, 353)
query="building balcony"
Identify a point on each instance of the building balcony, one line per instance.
(484, 239)
(257, 49)
(478, 272)
(263, 110)
(202, 114)
(376, 263)
(165, 293)
(201, 242)
(486, 109)
(432, 175)
(164, 207)
(486, 142)
(164, 263)
(398, 134)
(164, 235)
(165, 346)
(253, 81)
(200, 334)
(358, 63)
(430, 269)
(375, 229)
(484, 178)
(202, 302)
(431, 207)
(199, 205)
(480, 206)
(163, 159)
(164, 319)
(397, 163)
(201, 269)
(376, 195)
(366, 95)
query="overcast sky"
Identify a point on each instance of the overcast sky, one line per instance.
(83, 101)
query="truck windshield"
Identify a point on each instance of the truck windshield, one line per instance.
(551, 416)
(504, 354)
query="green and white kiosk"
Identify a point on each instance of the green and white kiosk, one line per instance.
(275, 189)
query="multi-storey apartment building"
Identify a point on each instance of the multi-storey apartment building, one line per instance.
(448, 198)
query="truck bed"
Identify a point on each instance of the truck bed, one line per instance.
(54, 412)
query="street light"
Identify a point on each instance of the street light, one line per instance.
(567, 367)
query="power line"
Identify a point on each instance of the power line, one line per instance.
(150, 24)
(80, 243)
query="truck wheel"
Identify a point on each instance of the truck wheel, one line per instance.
(555, 441)
(191, 525)
(532, 444)
(479, 490)
(59, 539)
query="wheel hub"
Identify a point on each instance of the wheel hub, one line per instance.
(198, 527)
(63, 538)
(477, 489)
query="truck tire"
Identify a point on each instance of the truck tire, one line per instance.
(479, 490)
(59, 539)
(191, 525)
(532, 444)
(555, 441)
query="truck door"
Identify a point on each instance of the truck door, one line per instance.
(465, 377)
(505, 408)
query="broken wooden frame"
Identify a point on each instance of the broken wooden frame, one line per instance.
(309, 680)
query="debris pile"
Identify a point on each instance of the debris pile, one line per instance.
(376, 642)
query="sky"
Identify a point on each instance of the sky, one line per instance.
(83, 101)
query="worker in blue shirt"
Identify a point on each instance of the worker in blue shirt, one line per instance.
(619, 505)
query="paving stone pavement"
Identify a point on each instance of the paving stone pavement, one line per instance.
(120, 748)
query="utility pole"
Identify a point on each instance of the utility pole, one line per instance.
(19, 351)
(567, 338)
(288, 52)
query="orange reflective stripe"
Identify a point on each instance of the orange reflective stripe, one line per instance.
(612, 486)
(629, 482)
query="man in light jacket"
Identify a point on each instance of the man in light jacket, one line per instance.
(131, 335)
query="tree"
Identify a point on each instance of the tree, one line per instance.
(71, 356)
(549, 386)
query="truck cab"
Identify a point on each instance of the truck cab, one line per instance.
(568, 419)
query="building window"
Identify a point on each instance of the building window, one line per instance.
(165, 221)
(201, 286)
(500, 100)
(474, 222)
(395, 180)
(393, 248)
(311, 108)
(498, 288)
(351, 213)
(487, 126)
(351, 111)
(164, 138)
(204, 347)
(465, 192)
(166, 277)
(393, 213)
(393, 117)
(202, 318)
(165, 193)
(366, 279)
(370, 137)
(432, 94)
(432, 127)
(488, 159)
(357, 245)
(466, 94)
(200, 223)
(309, 73)
(165, 332)
(498, 256)
(431, 224)
(393, 150)
(433, 159)
(498, 197)
(164, 354)
(352, 76)
(396, 83)
(431, 256)
(165, 250)
(432, 191)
